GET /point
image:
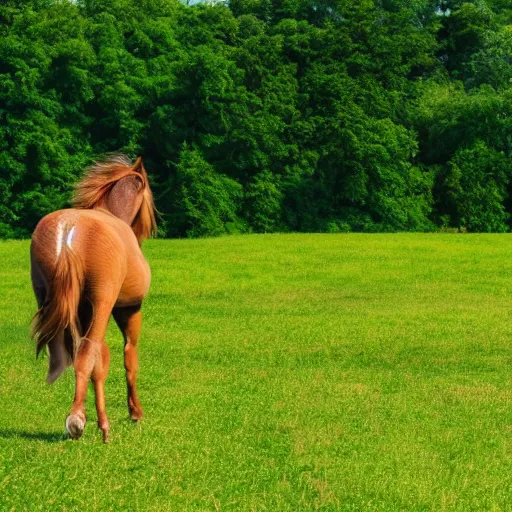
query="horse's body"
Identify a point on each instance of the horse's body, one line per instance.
(87, 264)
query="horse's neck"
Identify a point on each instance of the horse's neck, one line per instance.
(124, 199)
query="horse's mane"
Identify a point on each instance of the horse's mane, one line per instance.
(99, 179)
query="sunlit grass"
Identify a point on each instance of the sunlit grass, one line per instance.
(283, 372)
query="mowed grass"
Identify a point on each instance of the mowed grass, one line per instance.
(281, 373)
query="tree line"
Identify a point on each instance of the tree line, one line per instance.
(264, 115)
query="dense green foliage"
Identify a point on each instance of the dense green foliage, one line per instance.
(268, 115)
(281, 373)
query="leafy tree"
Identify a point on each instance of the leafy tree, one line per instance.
(264, 199)
(207, 202)
(476, 188)
(263, 116)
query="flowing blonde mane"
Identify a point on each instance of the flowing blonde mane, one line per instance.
(99, 179)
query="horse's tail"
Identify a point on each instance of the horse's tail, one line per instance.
(59, 313)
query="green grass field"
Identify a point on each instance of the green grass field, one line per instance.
(281, 373)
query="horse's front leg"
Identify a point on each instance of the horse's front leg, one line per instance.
(129, 320)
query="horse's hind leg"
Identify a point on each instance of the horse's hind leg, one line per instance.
(91, 362)
(99, 376)
(129, 321)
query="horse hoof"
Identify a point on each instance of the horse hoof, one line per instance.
(75, 426)
(136, 415)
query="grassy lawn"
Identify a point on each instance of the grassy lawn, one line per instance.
(281, 373)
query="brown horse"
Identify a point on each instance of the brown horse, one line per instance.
(86, 264)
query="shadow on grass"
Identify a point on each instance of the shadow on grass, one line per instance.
(48, 437)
